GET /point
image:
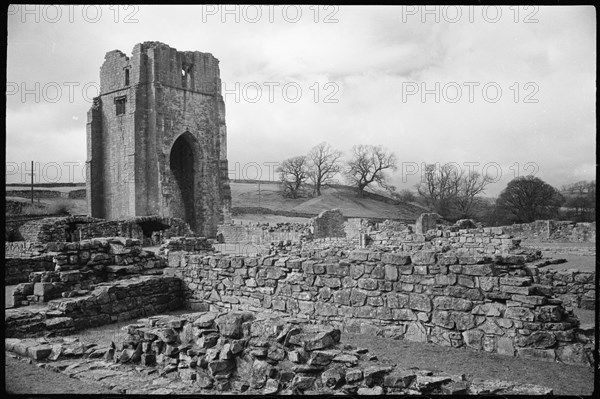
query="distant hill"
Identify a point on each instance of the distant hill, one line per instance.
(344, 198)
(246, 194)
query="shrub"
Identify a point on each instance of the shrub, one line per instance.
(60, 207)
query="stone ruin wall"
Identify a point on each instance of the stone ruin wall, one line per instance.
(76, 228)
(474, 289)
(107, 303)
(329, 226)
(552, 230)
(75, 266)
(471, 287)
(84, 273)
(262, 233)
(53, 228)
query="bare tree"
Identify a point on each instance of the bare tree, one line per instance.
(451, 191)
(368, 165)
(471, 185)
(324, 164)
(292, 173)
(438, 187)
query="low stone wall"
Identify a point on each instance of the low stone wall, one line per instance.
(17, 270)
(557, 231)
(13, 223)
(473, 288)
(23, 248)
(71, 266)
(575, 288)
(107, 303)
(392, 233)
(151, 230)
(36, 193)
(188, 244)
(54, 229)
(78, 194)
(263, 233)
(255, 210)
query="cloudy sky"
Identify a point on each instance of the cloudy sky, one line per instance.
(504, 91)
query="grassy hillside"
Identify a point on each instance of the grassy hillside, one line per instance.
(343, 197)
(247, 194)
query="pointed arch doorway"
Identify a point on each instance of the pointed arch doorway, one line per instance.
(183, 161)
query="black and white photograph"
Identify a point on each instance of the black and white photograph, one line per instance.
(301, 200)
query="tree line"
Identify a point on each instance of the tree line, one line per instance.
(451, 192)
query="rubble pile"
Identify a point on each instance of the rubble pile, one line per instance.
(236, 352)
(242, 353)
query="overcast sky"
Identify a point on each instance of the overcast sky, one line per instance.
(507, 91)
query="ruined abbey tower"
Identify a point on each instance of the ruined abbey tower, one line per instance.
(157, 140)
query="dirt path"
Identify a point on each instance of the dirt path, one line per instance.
(563, 379)
(23, 378)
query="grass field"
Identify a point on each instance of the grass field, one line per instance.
(268, 195)
(344, 198)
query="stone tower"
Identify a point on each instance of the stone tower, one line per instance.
(157, 140)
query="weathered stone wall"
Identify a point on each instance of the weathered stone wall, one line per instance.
(173, 121)
(426, 222)
(263, 233)
(188, 244)
(255, 210)
(551, 230)
(17, 270)
(74, 266)
(329, 224)
(23, 248)
(391, 233)
(151, 230)
(107, 303)
(54, 229)
(473, 288)
(575, 288)
(12, 223)
(355, 228)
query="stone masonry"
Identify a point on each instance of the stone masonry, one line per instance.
(157, 139)
(475, 288)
